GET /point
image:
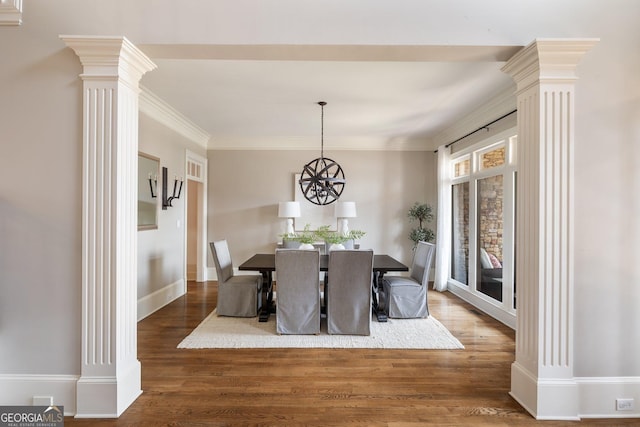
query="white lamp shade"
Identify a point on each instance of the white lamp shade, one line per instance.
(345, 210)
(289, 209)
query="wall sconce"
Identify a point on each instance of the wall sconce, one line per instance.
(289, 210)
(177, 190)
(343, 211)
(153, 185)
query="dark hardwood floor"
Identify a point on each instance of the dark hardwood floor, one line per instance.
(325, 387)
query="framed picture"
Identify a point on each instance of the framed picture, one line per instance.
(312, 214)
(148, 169)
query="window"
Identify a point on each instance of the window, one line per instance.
(462, 167)
(460, 232)
(493, 158)
(490, 231)
(483, 225)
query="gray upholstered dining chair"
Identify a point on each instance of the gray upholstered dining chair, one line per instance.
(406, 297)
(348, 292)
(297, 291)
(238, 295)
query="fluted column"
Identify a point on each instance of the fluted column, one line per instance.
(542, 374)
(110, 372)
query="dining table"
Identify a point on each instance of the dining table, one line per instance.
(265, 263)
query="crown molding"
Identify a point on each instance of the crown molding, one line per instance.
(154, 107)
(11, 12)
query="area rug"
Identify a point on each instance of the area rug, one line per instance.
(234, 332)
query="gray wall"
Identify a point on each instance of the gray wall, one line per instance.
(161, 252)
(246, 186)
(40, 205)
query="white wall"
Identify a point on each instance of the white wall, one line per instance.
(607, 232)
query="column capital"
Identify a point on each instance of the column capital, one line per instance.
(109, 56)
(10, 12)
(548, 60)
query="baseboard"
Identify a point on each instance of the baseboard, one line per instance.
(545, 399)
(576, 398)
(598, 396)
(19, 390)
(109, 396)
(524, 388)
(158, 299)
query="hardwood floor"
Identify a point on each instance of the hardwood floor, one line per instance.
(325, 387)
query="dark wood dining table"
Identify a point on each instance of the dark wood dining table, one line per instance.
(266, 265)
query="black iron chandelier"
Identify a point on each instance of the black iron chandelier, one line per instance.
(322, 179)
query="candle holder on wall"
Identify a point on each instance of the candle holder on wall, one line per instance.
(177, 189)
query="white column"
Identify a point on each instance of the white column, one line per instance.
(542, 374)
(110, 372)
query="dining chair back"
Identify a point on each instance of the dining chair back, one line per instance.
(406, 297)
(348, 292)
(238, 295)
(297, 291)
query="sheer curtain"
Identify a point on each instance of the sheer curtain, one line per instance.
(443, 230)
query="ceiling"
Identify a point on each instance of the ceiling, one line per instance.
(378, 97)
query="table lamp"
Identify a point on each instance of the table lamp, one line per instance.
(343, 211)
(289, 210)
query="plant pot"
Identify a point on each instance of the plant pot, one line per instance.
(306, 246)
(336, 246)
(291, 244)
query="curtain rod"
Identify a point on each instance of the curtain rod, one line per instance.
(479, 129)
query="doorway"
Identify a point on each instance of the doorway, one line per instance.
(196, 218)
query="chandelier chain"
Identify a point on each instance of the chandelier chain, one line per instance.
(322, 104)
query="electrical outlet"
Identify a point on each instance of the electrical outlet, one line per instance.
(42, 400)
(624, 404)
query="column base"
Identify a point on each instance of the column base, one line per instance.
(545, 399)
(107, 396)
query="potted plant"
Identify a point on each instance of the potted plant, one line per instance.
(335, 240)
(306, 237)
(423, 213)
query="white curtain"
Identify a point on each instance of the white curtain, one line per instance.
(443, 231)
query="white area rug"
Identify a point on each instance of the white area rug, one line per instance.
(233, 332)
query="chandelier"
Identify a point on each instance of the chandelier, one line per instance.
(322, 179)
